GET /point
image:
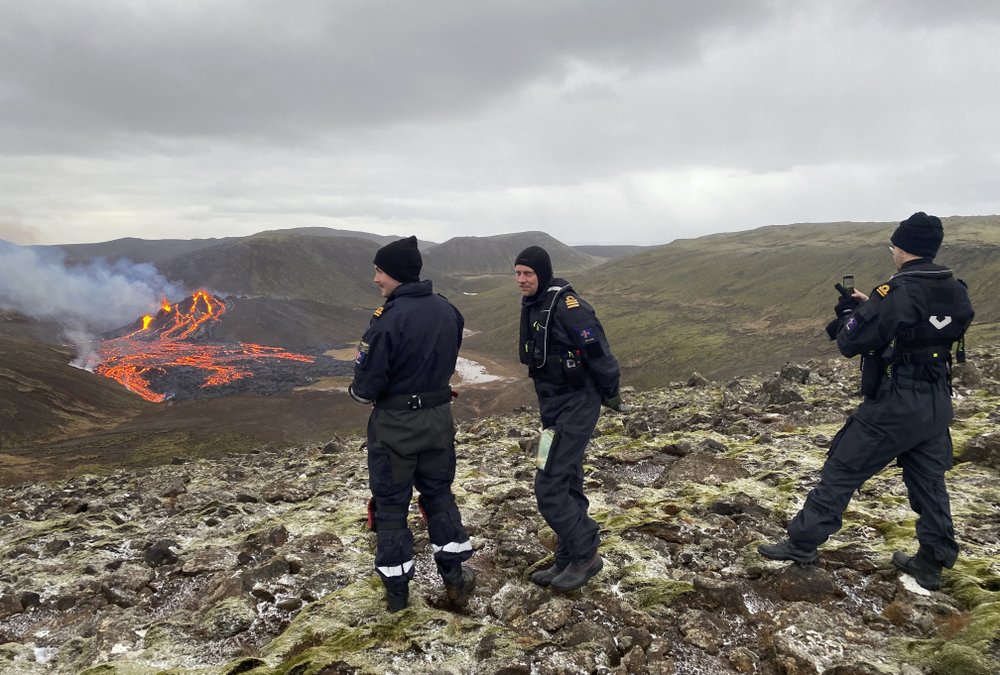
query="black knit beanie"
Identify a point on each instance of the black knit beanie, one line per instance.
(400, 260)
(919, 234)
(537, 258)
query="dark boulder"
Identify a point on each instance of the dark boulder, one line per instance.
(982, 449)
(160, 553)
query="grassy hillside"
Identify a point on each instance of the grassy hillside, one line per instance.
(277, 265)
(611, 252)
(43, 398)
(736, 303)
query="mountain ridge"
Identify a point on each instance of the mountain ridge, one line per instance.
(494, 255)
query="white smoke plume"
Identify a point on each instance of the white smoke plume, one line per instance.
(86, 344)
(94, 296)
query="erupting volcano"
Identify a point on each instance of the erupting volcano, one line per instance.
(169, 355)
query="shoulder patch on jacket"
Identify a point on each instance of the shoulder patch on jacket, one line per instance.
(378, 311)
(363, 348)
(572, 302)
(883, 290)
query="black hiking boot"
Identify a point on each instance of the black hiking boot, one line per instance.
(788, 550)
(922, 567)
(544, 577)
(459, 589)
(397, 596)
(576, 574)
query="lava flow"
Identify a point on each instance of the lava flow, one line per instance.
(161, 343)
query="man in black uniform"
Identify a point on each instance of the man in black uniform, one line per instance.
(905, 333)
(574, 372)
(404, 362)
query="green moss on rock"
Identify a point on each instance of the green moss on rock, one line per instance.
(656, 592)
(953, 659)
(973, 582)
(970, 651)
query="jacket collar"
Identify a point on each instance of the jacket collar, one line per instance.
(554, 284)
(413, 288)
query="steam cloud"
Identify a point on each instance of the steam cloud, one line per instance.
(90, 297)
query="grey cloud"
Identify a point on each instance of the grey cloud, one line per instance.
(639, 120)
(271, 69)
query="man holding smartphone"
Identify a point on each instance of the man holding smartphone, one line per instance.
(574, 372)
(905, 332)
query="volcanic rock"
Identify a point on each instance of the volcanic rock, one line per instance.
(160, 553)
(707, 469)
(794, 373)
(683, 488)
(781, 394)
(335, 446)
(982, 449)
(30, 599)
(698, 380)
(809, 583)
(703, 630)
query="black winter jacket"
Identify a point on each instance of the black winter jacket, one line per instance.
(410, 347)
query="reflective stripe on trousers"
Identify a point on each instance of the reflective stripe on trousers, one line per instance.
(396, 570)
(453, 547)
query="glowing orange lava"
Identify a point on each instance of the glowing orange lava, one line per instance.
(165, 342)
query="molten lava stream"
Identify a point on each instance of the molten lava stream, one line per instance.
(163, 343)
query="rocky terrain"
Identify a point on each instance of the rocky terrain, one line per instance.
(260, 562)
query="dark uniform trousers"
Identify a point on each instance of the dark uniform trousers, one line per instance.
(907, 421)
(559, 487)
(408, 448)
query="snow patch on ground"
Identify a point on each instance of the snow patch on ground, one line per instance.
(472, 372)
(910, 584)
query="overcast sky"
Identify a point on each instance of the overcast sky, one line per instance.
(632, 122)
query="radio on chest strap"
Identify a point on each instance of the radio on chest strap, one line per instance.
(552, 296)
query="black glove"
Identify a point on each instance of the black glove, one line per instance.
(615, 403)
(845, 305)
(832, 329)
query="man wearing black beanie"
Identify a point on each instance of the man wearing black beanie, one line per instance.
(400, 260)
(574, 372)
(920, 235)
(537, 260)
(904, 333)
(404, 363)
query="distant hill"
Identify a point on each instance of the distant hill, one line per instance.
(152, 251)
(472, 256)
(326, 269)
(380, 239)
(611, 252)
(730, 304)
(159, 250)
(294, 288)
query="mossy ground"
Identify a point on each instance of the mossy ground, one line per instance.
(666, 542)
